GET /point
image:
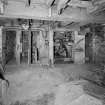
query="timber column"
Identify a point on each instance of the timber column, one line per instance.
(1, 28)
(18, 46)
(51, 51)
(29, 49)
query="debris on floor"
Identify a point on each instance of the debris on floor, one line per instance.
(86, 100)
(73, 93)
(46, 99)
(53, 86)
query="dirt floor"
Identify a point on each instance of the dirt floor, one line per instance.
(37, 85)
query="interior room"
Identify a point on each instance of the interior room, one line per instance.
(10, 44)
(52, 52)
(63, 47)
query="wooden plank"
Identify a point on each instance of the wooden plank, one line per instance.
(73, 3)
(53, 18)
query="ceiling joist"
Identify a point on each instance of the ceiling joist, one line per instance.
(50, 2)
(97, 2)
(99, 7)
(43, 10)
(28, 2)
(82, 4)
(63, 4)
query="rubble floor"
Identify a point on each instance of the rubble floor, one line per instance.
(39, 83)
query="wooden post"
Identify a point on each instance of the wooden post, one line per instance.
(93, 44)
(29, 49)
(4, 46)
(51, 51)
(1, 28)
(18, 46)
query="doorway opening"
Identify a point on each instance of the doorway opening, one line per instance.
(10, 47)
(88, 48)
(30, 50)
(34, 47)
(63, 42)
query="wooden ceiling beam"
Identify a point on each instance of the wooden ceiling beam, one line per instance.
(82, 4)
(98, 2)
(19, 10)
(98, 7)
(53, 18)
(61, 5)
(50, 2)
(41, 12)
(28, 3)
(91, 19)
(16, 1)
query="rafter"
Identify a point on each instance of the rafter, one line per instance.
(50, 2)
(28, 2)
(63, 4)
(78, 3)
(16, 9)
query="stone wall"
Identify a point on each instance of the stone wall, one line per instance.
(99, 45)
(95, 45)
(79, 48)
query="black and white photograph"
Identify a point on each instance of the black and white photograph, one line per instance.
(52, 52)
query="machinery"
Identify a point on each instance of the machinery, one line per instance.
(63, 47)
